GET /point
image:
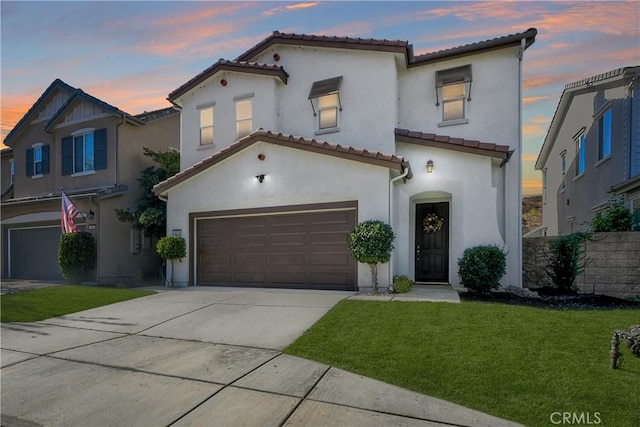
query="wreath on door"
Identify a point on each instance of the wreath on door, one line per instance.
(432, 223)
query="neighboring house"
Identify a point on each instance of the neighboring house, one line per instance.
(7, 170)
(285, 149)
(591, 151)
(70, 140)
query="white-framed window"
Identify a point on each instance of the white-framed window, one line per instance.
(206, 125)
(580, 153)
(37, 160)
(328, 111)
(563, 162)
(604, 135)
(12, 169)
(453, 90)
(83, 153)
(325, 103)
(453, 97)
(244, 117)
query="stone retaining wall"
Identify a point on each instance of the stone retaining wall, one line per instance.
(613, 264)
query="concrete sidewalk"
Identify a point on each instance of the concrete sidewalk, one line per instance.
(197, 357)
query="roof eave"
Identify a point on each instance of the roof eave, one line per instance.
(218, 67)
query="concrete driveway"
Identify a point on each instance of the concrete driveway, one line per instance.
(199, 357)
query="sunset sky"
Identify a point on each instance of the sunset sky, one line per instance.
(132, 54)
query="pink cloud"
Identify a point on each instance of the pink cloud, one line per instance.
(532, 99)
(289, 7)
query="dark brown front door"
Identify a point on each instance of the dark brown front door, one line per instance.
(432, 242)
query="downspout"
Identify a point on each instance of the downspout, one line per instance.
(523, 45)
(402, 176)
(115, 164)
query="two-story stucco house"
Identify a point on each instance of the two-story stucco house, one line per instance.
(73, 141)
(591, 151)
(285, 149)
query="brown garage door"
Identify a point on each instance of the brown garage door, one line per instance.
(294, 250)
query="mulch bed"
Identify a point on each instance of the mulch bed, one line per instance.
(557, 302)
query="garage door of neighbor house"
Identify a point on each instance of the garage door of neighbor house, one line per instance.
(292, 250)
(33, 253)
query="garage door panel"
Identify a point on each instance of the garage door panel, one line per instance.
(33, 253)
(330, 260)
(288, 259)
(302, 249)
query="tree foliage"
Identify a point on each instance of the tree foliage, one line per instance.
(616, 217)
(371, 242)
(150, 213)
(566, 260)
(77, 256)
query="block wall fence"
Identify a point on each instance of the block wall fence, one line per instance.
(612, 264)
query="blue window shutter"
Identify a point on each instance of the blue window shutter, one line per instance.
(67, 155)
(45, 159)
(30, 162)
(100, 149)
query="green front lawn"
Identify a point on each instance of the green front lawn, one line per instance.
(518, 363)
(45, 303)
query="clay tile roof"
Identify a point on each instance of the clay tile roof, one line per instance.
(226, 65)
(529, 36)
(455, 144)
(390, 161)
(325, 41)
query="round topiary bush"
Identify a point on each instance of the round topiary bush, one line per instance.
(481, 267)
(172, 248)
(371, 242)
(77, 256)
(402, 284)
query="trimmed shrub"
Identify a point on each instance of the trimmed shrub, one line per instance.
(172, 248)
(481, 267)
(566, 260)
(371, 242)
(402, 284)
(77, 256)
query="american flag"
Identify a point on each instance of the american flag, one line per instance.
(69, 212)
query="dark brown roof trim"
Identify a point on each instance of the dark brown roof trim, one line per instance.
(56, 84)
(498, 42)
(345, 152)
(379, 45)
(383, 45)
(236, 66)
(148, 116)
(80, 94)
(455, 144)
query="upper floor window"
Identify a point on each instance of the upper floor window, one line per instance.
(84, 151)
(325, 97)
(328, 111)
(206, 126)
(563, 161)
(244, 117)
(604, 135)
(580, 153)
(38, 160)
(12, 169)
(453, 86)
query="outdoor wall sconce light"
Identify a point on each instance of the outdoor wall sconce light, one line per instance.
(430, 166)
(260, 177)
(223, 82)
(91, 214)
(276, 57)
